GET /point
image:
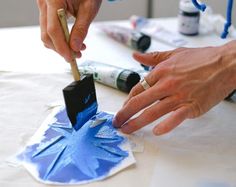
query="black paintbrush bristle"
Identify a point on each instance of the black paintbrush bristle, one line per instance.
(80, 100)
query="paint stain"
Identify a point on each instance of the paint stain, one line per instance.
(83, 155)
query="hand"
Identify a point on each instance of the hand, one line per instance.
(185, 84)
(51, 32)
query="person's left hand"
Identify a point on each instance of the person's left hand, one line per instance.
(185, 83)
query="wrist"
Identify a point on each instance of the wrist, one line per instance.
(228, 58)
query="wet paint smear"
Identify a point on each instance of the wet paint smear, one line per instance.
(68, 156)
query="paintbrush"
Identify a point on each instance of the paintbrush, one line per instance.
(80, 95)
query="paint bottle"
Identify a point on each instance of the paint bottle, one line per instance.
(189, 17)
(119, 78)
(131, 38)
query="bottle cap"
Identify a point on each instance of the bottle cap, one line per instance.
(140, 41)
(187, 6)
(127, 79)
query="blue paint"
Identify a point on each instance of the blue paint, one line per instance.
(228, 18)
(54, 164)
(199, 6)
(66, 155)
(46, 145)
(83, 117)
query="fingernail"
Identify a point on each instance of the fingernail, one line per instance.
(76, 45)
(157, 131)
(83, 47)
(125, 128)
(78, 55)
(114, 122)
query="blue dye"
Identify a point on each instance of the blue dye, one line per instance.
(199, 6)
(86, 154)
(83, 117)
(46, 145)
(228, 18)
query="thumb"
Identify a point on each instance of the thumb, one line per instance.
(152, 59)
(79, 31)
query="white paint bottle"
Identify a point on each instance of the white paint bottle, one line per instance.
(188, 18)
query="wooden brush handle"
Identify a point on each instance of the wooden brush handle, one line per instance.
(62, 17)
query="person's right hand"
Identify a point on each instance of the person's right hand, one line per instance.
(51, 32)
(185, 84)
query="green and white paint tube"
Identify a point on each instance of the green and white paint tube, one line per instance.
(116, 77)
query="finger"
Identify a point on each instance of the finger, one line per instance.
(175, 119)
(139, 102)
(83, 47)
(78, 54)
(151, 79)
(137, 89)
(56, 33)
(152, 59)
(49, 46)
(43, 24)
(150, 114)
(80, 28)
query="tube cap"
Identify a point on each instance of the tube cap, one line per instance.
(187, 6)
(140, 41)
(127, 80)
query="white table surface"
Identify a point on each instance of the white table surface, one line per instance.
(200, 152)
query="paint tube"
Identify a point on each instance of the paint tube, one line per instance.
(131, 38)
(119, 78)
(157, 32)
(142, 72)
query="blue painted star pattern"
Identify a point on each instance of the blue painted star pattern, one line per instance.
(66, 155)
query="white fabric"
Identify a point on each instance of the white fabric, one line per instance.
(197, 152)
